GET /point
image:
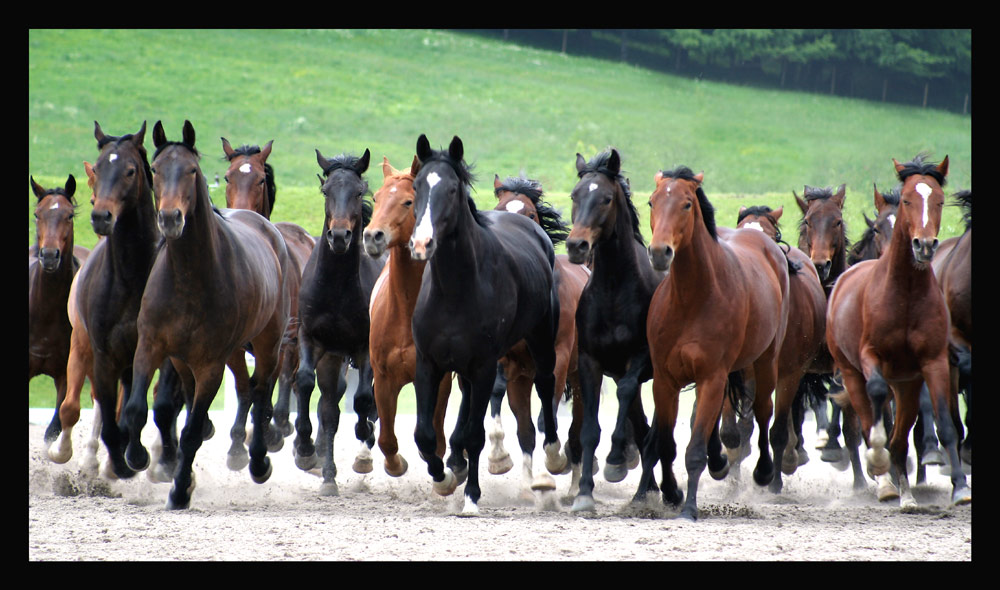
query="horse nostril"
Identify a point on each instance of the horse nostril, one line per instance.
(379, 236)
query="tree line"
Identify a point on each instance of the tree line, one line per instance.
(931, 68)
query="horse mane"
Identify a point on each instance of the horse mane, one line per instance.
(761, 211)
(349, 162)
(864, 248)
(142, 152)
(918, 166)
(707, 209)
(811, 193)
(549, 218)
(599, 163)
(963, 199)
(465, 179)
(272, 189)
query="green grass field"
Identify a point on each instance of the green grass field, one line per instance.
(516, 110)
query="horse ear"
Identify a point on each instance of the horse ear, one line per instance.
(943, 167)
(615, 162)
(496, 183)
(363, 162)
(139, 136)
(700, 177)
(387, 170)
(188, 133)
(897, 165)
(226, 148)
(658, 176)
(323, 162)
(70, 186)
(415, 166)
(580, 163)
(423, 148)
(264, 153)
(90, 174)
(159, 137)
(456, 150)
(839, 197)
(802, 204)
(743, 210)
(880, 202)
(776, 214)
(868, 222)
(36, 188)
(98, 133)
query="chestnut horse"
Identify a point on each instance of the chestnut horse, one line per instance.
(487, 285)
(334, 325)
(524, 196)
(805, 341)
(250, 185)
(723, 308)
(220, 282)
(52, 265)
(611, 314)
(393, 355)
(883, 348)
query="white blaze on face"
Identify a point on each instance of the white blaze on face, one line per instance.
(892, 221)
(54, 205)
(245, 168)
(593, 186)
(925, 191)
(112, 157)
(754, 225)
(515, 206)
(424, 230)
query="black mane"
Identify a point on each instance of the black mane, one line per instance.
(963, 199)
(599, 163)
(707, 209)
(918, 166)
(761, 211)
(349, 162)
(465, 178)
(550, 219)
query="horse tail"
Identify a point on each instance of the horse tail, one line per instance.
(814, 386)
(839, 395)
(738, 394)
(793, 266)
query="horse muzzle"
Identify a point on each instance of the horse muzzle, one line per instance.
(422, 249)
(170, 223)
(339, 240)
(48, 259)
(924, 249)
(102, 221)
(375, 242)
(578, 250)
(660, 256)
(823, 268)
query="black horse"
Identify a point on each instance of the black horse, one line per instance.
(611, 317)
(487, 285)
(333, 319)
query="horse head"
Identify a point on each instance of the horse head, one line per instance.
(761, 218)
(392, 218)
(177, 180)
(54, 222)
(343, 188)
(440, 189)
(822, 234)
(595, 203)
(920, 205)
(677, 207)
(249, 179)
(121, 177)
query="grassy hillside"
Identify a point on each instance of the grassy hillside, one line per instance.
(516, 110)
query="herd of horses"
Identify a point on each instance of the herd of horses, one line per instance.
(420, 286)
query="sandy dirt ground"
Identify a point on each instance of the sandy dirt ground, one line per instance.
(818, 517)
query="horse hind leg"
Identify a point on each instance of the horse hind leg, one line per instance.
(60, 449)
(289, 366)
(364, 431)
(237, 456)
(499, 461)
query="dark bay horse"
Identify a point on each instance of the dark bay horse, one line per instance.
(487, 285)
(723, 308)
(393, 355)
(334, 325)
(525, 197)
(111, 283)
(805, 340)
(219, 283)
(250, 185)
(883, 348)
(52, 265)
(611, 314)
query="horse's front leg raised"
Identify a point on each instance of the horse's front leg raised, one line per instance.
(628, 389)
(207, 385)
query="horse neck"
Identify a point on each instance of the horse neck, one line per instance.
(333, 265)
(460, 255)
(132, 244)
(201, 240)
(405, 274)
(616, 258)
(695, 268)
(899, 264)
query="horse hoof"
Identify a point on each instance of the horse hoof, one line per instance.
(398, 469)
(802, 455)
(689, 513)
(908, 502)
(461, 474)
(543, 482)
(584, 503)
(285, 428)
(721, 473)
(789, 462)
(500, 466)
(966, 454)
(932, 457)
(762, 478)
(886, 491)
(136, 457)
(159, 474)
(632, 456)
(363, 464)
(173, 504)
(329, 488)
(305, 462)
(58, 455)
(556, 463)
(238, 457)
(275, 442)
(263, 476)
(962, 495)
(878, 461)
(832, 455)
(448, 485)
(674, 500)
(209, 431)
(775, 486)
(822, 437)
(469, 508)
(615, 473)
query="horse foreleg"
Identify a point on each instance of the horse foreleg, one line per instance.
(207, 385)
(499, 459)
(457, 458)
(426, 383)
(386, 400)
(709, 398)
(328, 377)
(364, 405)
(616, 467)
(237, 456)
(305, 381)
(61, 448)
(286, 377)
(55, 425)
(475, 434)
(590, 430)
(168, 400)
(945, 402)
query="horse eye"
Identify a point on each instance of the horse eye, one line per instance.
(687, 205)
(226, 178)
(607, 200)
(130, 173)
(408, 204)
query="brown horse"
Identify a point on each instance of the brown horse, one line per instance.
(52, 265)
(524, 196)
(722, 308)
(805, 338)
(883, 347)
(953, 267)
(392, 352)
(219, 282)
(250, 185)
